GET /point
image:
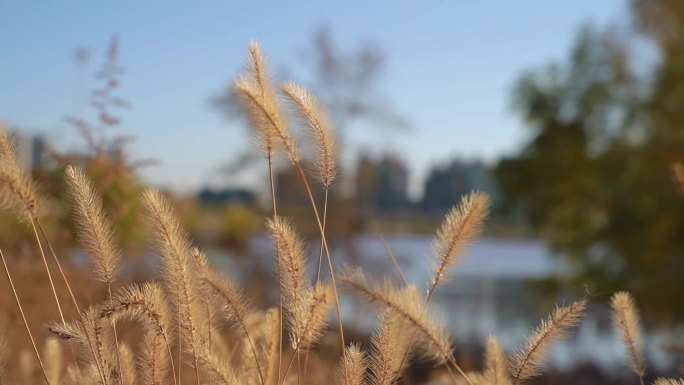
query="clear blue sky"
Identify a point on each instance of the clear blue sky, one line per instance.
(450, 68)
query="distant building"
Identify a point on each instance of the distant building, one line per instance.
(289, 189)
(381, 185)
(446, 184)
(31, 151)
(226, 196)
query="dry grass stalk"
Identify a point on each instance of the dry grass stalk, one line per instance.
(315, 118)
(7, 146)
(268, 338)
(263, 329)
(249, 96)
(526, 361)
(3, 357)
(23, 317)
(74, 375)
(496, 364)
(310, 318)
(18, 189)
(268, 103)
(260, 103)
(198, 292)
(249, 371)
(389, 343)
(264, 110)
(219, 369)
(405, 302)
(234, 307)
(92, 335)
(258, 99)
(178, 271)
(95, 235)
(668, 381)
(145, 304)
(93, 226)
(460, 226)
(129, 373)
(626, 321)
(203, 268)
(53, 360)
(154, 361)
(354, 370)
(258, 69)
(291, 267)
(18, 192)
(317, 304)
(201, 261)
(316, 121)
(102, 340)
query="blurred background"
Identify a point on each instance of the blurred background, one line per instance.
(569, 114)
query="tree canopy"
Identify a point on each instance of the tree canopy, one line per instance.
(606, 127)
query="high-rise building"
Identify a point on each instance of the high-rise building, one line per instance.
(381, 184)
(446, 184)
(31, 151)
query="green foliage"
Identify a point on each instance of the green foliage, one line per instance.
(595, 174)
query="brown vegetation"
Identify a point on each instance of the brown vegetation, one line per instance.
(196, 324)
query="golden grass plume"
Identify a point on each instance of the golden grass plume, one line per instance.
(7, 147)
(315, 117)
(668, 381)
(256, 94)
(354, 370)
(496, 364)
(178, 272)
(389, 342)
(460, 226)
(93, 227)
(18, 191)
(145, 304)
(626, 321)
(434, 341)
(527, 359)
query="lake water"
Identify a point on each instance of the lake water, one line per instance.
(487, 293)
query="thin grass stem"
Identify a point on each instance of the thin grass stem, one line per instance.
(394, 260)
(71, 295)
(23, 317)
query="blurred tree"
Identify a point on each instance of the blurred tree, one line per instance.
(106, 160)
(595, 175)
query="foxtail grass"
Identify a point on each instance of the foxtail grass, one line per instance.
(191, 306)
(626, 321)
(527, 359)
